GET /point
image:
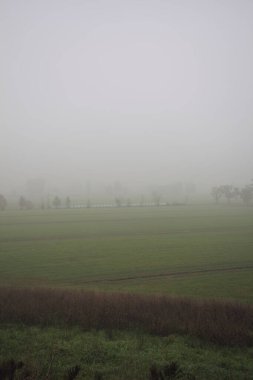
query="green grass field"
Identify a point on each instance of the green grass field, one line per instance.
(196, 251)
(204, 251)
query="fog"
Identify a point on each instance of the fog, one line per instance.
(142, 93)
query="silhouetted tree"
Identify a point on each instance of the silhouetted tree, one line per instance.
(57, 202)
(216, 193)
(118, 201)
(29, 205)
(68, 202)
(48, 205)
(246, 194)
(227, 191)
(156, 198)
(22, 203)
(190, 189)
(3, 202)
(25, 204)
(142, 200)
(230, 192)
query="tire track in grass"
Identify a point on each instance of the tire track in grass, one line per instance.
(90, 235)
(171, 274)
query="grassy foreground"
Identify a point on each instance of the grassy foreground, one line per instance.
(49, 353)
(49, 334)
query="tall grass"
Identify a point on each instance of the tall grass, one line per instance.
(227, 323)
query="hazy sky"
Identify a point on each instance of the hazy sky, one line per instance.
(135, 91)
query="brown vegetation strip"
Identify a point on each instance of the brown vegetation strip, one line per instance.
(229, 323)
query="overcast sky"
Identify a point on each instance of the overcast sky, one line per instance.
(134, 91)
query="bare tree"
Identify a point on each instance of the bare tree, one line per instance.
(3, 202)
(29, 205)
(217, 193)
(22, 203)
(118, 201)
(156, 198)
(246, 194)
(25, 204)
(142, 200)
(68, 202)
(57, 202)
(230, 192)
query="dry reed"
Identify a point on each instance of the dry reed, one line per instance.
(221, 322)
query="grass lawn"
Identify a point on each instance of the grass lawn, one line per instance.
(202, 251)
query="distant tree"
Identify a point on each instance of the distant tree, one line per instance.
(216, 193)
(22, 203)
(25, 204)
(246, 194)
(118, 201)
(68, 202)
(156, 198)
(48, 204)
(128, 202)
(230, 192)
(57, 202)
(177, 191)
(29, 205)
(42, 205)
(190, 189)
(142, 200)
(88, 203)
(3, 202)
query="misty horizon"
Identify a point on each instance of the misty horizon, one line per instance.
(141, 93)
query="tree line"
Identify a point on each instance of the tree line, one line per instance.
(229, 192)
(26, 204)
(218, 193)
